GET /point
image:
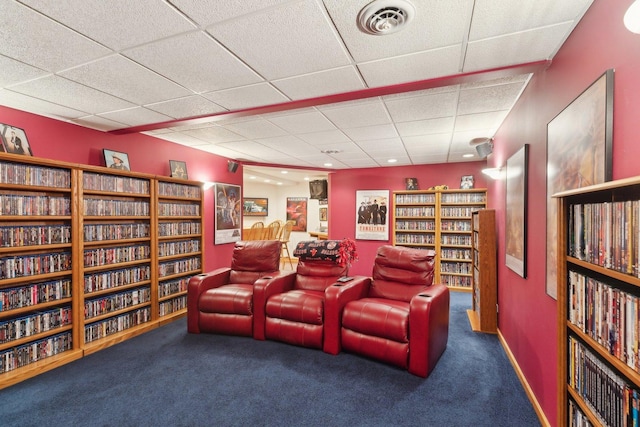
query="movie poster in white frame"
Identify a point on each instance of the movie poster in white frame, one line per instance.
(372, 214)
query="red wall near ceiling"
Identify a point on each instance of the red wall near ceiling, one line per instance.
(342, 197)
(53, 139)
(527, 316)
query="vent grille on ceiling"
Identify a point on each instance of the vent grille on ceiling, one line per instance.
(383, 17)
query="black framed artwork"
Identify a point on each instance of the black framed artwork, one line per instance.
(579, 153)
(516, 211)
(14, 140)
(178, 169)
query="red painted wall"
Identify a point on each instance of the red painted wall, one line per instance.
(343, 185)
(53, 139)
(527, 317)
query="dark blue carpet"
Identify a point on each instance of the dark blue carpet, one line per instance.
(167, 377)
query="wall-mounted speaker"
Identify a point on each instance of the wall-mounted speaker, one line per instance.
(232, 166)
(484, 149)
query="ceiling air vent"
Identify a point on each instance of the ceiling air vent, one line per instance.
(383, 17)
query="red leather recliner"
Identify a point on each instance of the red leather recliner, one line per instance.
(223, 301)
(404, 319)
(304, 309)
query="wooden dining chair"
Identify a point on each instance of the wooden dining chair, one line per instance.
(255, 232)
(271, 231)
(285, 234)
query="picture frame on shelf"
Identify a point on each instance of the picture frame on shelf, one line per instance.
(116, 160)
(516, 211)
(255, 206)
(466, 182)
(579, 153)
(372, 215)
(411, 183)
(178, 169)
(228, 220)
(14, 140)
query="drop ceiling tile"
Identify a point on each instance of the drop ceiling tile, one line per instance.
(324, 137)
(424, 107)
(190, 106)
(207, 12)
(213, 135)
(135, 116)
(73, 95)
(435, 24)
(15, 72)
(493, 18)
(246, 96)
(491, 119)
(288, 142)
(381, 145)
(413, 67)
(141, 86)
(429, 159)
(99, 123)
(278, 43)
(371, 132)
(117, 24)
(254, 129)
(358, 115)
(321, 83)
(248, 147)
(439, 141)
(180, 138)
(507, 50)
(490, 98)
(303, 123)
(39, 43)
(38, 106)
(194, 61)
(425, 127)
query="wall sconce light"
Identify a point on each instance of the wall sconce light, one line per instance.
(207, 185)
(632, 17)
(493, 173)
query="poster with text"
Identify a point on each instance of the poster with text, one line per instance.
(372, 215)
(228, 213)
(297, 212)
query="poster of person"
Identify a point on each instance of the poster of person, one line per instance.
(297, 212)
(372, 214)
(14, 140)
(228, 227)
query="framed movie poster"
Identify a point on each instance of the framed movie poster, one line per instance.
(255, 206)
(297, 212)
(228, 214)
(516, 211)
(579, 153)
(372, 215)
(14, 140)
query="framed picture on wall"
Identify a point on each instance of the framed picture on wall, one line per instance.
(297, 212)
(116, 160)
(579, 153)
(254, 206)
(516, 211)
(323, 214)
(14, 140)
(178, 169)
(228, 214)
(372, 214)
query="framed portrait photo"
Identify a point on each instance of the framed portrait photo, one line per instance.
(178, 169)
(116, 160)
(14, 140)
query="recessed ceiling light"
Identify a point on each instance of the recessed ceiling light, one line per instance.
(267, 180)
(328, 164)
(284, 172)
(252, 177)
(467, 155)
(392, 160)
(306, 178)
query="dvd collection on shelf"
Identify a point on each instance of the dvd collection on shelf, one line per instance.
(439, 220)
(598, 304)
(76, 280)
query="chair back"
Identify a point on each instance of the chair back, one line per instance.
(285, 231)
(317, 275)
(256, 230)
(271, 231)
(254, 259)
(399, 273)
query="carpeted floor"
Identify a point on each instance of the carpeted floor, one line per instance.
(167, 377)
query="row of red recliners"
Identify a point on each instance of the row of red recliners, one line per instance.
(396, 316)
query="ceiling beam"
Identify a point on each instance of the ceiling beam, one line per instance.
(470, 77)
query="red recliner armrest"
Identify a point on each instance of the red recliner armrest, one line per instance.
(263, 288)
(336, 297)
(429, 323)
(199, 284)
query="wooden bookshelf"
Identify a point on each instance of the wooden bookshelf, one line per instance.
(439, 220)
(483, 315)
(80, 253)
(599, 304)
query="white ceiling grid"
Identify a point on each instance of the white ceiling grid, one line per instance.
(111, 65)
